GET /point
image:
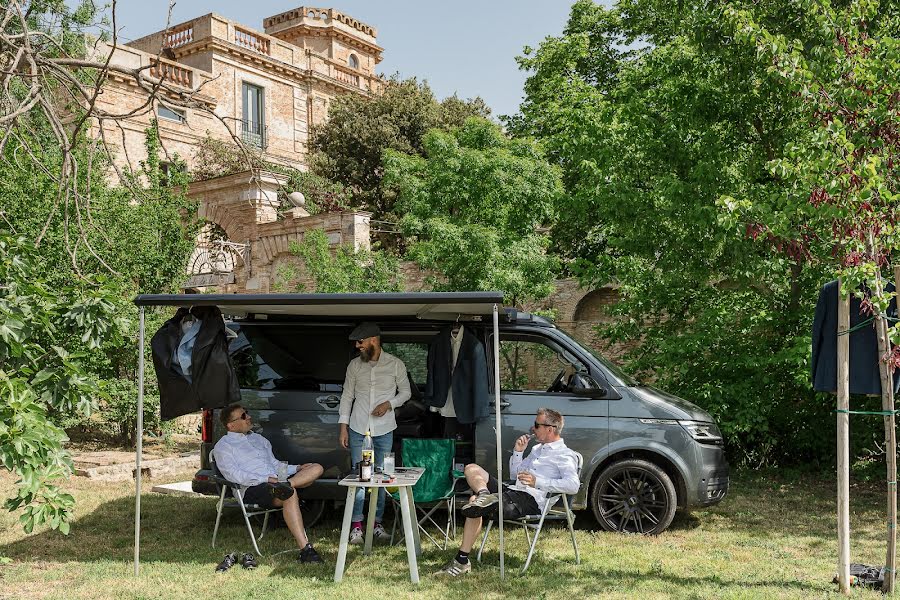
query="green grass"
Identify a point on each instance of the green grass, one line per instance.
(771, 538)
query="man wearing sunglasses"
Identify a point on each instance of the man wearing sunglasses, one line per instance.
(246, 458)
(550, 467)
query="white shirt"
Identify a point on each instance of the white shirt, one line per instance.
(247, 459)
(367, 385)
(554, 466)
(448, 410)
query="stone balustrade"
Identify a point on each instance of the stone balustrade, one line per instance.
(252, 40)
(172, 72)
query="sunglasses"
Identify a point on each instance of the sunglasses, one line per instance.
(243, 417)
(536, 425)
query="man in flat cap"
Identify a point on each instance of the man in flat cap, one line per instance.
(375, 385)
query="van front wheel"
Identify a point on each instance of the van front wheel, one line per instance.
(634, 496)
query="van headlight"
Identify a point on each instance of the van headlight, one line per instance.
(705, 433)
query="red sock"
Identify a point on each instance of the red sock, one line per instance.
(356, 525)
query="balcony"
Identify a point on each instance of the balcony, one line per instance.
(254, 134)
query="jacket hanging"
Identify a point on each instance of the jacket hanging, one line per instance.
(467, 378)
(865, 377)
(192, 365)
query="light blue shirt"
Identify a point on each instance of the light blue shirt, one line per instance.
(554, 466)
(247, 459)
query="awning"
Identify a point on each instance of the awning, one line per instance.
(420, 305)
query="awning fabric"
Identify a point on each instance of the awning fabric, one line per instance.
(421, 305)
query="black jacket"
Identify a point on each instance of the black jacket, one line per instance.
(213, 379)
(468, 379)
(864, 374)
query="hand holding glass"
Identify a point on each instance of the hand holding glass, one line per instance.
(282, 470)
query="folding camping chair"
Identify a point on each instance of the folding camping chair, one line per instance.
(435, 489)
(536, 522)
(237, 499)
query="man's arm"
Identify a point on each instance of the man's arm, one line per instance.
(347, 394)
(404, 392)
(515, 463)
(567, 482)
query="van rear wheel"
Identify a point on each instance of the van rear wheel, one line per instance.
(634, 496)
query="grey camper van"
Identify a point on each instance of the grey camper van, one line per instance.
(647, 453)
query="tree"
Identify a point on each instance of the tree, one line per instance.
(348, 147)
(46, 333)
(474, 206)
(345, 270)
(655, 110)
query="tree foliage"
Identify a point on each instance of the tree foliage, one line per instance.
(47, 335)
(473, 207)
(348, 147)
(655, 110)
(345, 270)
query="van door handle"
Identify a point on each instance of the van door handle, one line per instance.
(329, 401)
(503, 404)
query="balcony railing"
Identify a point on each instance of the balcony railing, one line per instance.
(254, 134)
(348, 77)
(251, 41)
(179, 37)
(173, 73)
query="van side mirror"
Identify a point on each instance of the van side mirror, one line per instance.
(582, 384)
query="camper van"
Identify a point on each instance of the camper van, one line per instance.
(646, 453)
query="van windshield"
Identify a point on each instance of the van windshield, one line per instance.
(624, 377)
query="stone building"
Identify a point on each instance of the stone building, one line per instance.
(266, 87)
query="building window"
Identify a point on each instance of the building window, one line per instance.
(253, 127)
(170, 114)
(353, 62)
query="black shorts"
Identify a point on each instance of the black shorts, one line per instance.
(516, 503)
(261, 494)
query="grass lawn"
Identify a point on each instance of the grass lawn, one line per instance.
(773, 537)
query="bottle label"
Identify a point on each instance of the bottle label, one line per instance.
(365, 472)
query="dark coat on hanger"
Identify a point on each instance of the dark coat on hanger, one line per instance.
(213, 379)
(468, 377)
(864, 373)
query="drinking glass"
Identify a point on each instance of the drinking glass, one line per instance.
(388, 468)
(282, 470)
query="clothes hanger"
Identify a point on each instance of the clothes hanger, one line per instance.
(455, 328)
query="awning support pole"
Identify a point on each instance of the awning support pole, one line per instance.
(139, 432)
(498, 428)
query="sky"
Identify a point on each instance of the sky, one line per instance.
(459, 46)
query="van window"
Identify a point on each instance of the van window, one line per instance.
(414, 355)
(532, 363)
(286, 356)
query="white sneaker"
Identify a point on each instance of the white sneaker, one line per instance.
(356, 536)
(455, 569)
(380, 533)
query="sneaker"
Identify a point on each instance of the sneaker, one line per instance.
(248, 561)
(356, 536)
(455, 569)
(309, 555)
(480, 505)
(227, 562)
(281, 490)
(380, 533)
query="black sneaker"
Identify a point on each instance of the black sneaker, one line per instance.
(281, 490)
(309, 555)
(248, 561)
(227, 562)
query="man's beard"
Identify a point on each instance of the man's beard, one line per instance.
(365, 354)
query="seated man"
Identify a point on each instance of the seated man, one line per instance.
(246, 458)
(550, 467)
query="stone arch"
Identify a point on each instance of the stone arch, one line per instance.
(592, 307)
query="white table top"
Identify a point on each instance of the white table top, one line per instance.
(404, 476)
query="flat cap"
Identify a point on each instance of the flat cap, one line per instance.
(365, 330)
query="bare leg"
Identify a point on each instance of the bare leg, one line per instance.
(306, 475)
(476, 477)
(293, 519)
(470, 533)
